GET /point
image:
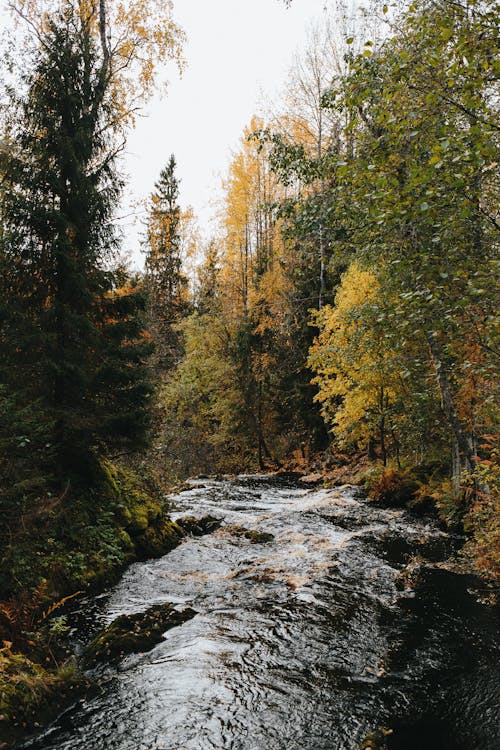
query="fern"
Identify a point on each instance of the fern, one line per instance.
(24, 614)
(54, 607)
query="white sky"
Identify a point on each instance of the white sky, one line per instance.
(237, 51)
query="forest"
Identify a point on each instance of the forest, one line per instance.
(341, 321)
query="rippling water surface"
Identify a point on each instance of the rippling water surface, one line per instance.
(308, 642)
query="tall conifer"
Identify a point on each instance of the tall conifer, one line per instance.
(166, 282)
(66, 330)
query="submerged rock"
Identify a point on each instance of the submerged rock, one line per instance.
(258, 537)
(135, 633)
(199, 526)
(253, 535)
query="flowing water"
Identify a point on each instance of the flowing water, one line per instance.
(307, 642)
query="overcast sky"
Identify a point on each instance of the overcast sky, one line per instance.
(237, 53)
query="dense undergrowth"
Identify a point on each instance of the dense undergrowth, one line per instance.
(429, 489)
(71, 545)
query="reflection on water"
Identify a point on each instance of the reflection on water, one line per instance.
(307, 642)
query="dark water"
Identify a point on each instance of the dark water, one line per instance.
(309, 642)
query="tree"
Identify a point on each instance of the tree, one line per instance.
(208, 281)
(166, 282)
(426, 140)
(60, 190)
(372, 385)
(130, 41)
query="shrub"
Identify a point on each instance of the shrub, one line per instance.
(391, 486)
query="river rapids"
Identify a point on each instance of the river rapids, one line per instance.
(338, 627)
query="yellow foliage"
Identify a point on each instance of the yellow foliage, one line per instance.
(140, 34)
(251, 234)
(354, 369)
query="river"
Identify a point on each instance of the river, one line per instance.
(307, 642)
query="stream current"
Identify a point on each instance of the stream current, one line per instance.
(307, 642)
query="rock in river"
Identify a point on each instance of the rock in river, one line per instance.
(135, 633)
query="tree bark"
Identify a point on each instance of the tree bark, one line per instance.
(102, 31)
(464, 445)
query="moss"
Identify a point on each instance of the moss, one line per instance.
(376, 740)
(253, 535)
(109, 484)
(135, 633)
(139, 519)
(199, 526)
(123, 515)
(160, 538)
(126, 541)
(84, 542)
(29, 690)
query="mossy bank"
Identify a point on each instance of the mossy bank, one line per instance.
(78, 542)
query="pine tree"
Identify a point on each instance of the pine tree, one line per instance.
(208, 281)
(60, 191)
(166, 282)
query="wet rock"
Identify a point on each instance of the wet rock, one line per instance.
(253, 535)
(184, 487)
(376, 740)
(161, 537)
(410, 576)
(258, 537)
(134, 633)
(312, 478)
(199, 526)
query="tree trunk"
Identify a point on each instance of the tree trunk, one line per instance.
(262, 445)
(463, 444)
(396, 446)
(383, 447)
(455, 466)
(322, 271)
(372, 454)
(102, 31)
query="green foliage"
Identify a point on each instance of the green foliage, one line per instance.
(58, 197)
(78, 542)
(25, 435)
(373, 386)
(72, 344)
(70, 338)
(483, 517)
(410, 187)
(122, 385)
(27, 688)
(165, 280)
(202, 423)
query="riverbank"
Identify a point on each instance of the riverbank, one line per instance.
(72, 545)
(35, 678)
(341, 623)
(423, 489)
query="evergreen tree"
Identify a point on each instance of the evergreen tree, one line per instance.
(65, 325)
(166, 282)
(208, 281)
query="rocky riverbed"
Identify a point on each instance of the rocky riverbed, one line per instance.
(302, 619)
